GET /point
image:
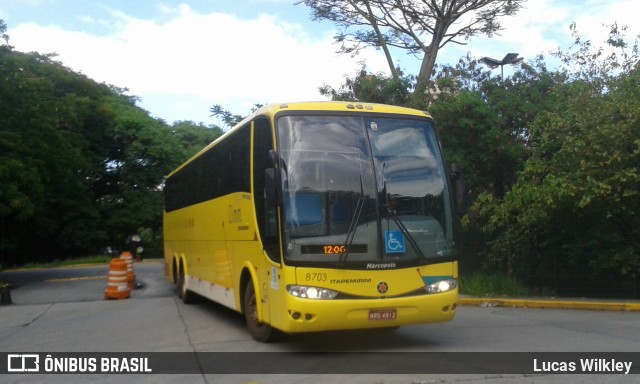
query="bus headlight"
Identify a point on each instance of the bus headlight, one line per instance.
(311, 292)
(442, 286)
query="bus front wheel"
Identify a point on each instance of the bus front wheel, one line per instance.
(260, 331)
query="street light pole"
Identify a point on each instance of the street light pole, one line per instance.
(510, 58)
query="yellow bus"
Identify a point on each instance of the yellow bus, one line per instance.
(317, 216)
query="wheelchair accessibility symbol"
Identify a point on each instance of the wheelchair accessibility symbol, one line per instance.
(394, 241)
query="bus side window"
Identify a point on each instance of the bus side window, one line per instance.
(266, 215)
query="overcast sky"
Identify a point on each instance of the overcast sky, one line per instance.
(182, 57)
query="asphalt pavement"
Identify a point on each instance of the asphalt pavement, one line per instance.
(63, 309)
(21, 278)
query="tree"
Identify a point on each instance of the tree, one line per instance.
(3, 32)
(419, 27)
(372, 88)
(45, 201)
(229, 119)
(575, 204)
(81, 166)
(194, 136)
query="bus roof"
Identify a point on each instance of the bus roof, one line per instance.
(337, 106)
(326, 106)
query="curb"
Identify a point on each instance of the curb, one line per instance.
(551, 304)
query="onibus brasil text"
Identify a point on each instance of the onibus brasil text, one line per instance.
(88, 365)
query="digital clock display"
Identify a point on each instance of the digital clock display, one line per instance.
(333, 249)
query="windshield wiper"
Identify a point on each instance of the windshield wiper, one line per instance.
(351, 233)
(405, 231)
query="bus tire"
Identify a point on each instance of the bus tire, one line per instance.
(174, 271)
(259, 331)
(183, 292)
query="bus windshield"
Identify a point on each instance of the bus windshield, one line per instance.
(363, 191)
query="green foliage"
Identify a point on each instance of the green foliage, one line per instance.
(550, 157)
(42, 163)
(482, 285)
(576, 201)
(81, 166)
(194, 136)
(3, 32)
(474, 139)
(372, 88)
(227, 118)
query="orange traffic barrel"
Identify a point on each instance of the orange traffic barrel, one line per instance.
(131, 277)
(117, 286)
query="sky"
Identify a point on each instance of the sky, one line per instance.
(182, 57)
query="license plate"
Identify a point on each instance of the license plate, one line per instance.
(382, 314)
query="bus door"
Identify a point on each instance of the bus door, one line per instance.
(270, 273)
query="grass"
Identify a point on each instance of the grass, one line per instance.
(94, 259)
(480, 284)
(98, 259)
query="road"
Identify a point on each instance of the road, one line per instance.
(64, 310)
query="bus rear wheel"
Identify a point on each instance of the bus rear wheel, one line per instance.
(260, 331)
(174, 272)
(183, 292)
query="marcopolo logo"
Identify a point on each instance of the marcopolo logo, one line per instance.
(23, 362)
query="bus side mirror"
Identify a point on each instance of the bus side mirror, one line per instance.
(273, 157)
(458, 187)
(273, 187)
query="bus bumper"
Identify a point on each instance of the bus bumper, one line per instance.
(309, 315)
